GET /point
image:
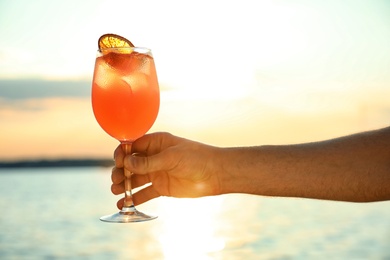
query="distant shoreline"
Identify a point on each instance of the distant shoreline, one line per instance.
(57, 163)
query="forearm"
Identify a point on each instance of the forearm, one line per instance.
(352, 168)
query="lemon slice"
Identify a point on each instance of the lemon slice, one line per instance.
(109, 41)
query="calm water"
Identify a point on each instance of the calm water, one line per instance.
(54, 214)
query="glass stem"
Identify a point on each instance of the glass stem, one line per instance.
(128, 201)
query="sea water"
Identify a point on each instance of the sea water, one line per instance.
(53, 213)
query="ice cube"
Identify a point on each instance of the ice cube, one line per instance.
(137, 80)
(142, 62)
(104, 74)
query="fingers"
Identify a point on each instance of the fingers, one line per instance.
(145, 195)
(117, 175)
(119, 204)
(141, 196)
(151, 144)
(117, 189)
(144, 165)
(118, 178)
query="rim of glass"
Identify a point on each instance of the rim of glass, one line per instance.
(137, 49)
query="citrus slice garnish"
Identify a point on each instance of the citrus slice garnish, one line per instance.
(109, 41)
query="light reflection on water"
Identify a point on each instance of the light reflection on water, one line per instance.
(189, 228)
(54, 214)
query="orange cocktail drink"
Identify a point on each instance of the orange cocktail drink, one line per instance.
(125, 92)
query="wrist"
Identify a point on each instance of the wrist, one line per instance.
(234, 171)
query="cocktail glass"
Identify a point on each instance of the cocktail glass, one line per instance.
(125, 101)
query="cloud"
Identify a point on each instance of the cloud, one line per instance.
(20, 89)
(16, 89)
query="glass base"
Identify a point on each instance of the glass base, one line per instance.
(127, 215)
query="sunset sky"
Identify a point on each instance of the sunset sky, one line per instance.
(231, 72)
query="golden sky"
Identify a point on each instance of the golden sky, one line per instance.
(230, 72)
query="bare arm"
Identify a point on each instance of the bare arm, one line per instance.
(352, 168)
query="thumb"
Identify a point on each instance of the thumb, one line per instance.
(139, 164)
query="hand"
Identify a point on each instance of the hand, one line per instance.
(174, 166)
